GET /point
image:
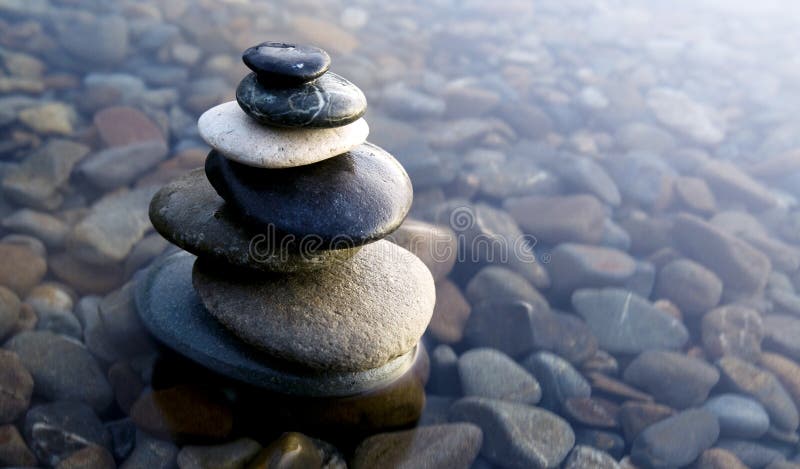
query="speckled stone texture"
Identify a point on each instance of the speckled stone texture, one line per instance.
(353, 316)
(236, 135)
(173, 312)
(286, 63)
(190, 214)
(329, 101)
(342, 202)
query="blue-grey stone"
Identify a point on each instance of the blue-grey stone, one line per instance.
(328, 101)
(286, 63)
(486, 372)
(175, 315)
(55, 430)
(675, 441)
(751, 453)
(559, 380)
(672, 378)
(516, 435)
(341, 202)
(739, 416)
(624, 322)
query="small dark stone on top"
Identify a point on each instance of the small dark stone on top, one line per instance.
(286, 63)
(330, 101)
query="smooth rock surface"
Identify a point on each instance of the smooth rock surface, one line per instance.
(286, 63)
(516, 435)
(739, 416)
(623, 322)
(733, 330)
(373, 308)
(486, 372)
(690, 286)
(229, 130)
(189, 213)
(672, 378)
(559, 380)
(676, 441)
(16, 387)
(327, 102)
(56, 430)
(166, 298)
(742, 269)
(343, 202)
(763, 386)
(449, 445)
(62, 368)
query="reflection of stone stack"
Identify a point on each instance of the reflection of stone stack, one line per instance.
(293, 288)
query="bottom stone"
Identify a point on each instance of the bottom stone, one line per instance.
(171, 309)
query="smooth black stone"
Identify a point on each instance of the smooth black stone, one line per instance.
(173, 312)
(342, 202)
(289, 63)
(329, 101)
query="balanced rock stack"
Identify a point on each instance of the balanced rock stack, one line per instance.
(292, 287)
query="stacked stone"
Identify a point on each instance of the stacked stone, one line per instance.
(292, 287)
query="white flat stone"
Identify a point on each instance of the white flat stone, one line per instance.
(240, 138)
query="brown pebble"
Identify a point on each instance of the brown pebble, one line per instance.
(13, 449)
(183, 413)
(16, 387)
(450, 313)
(93, 456)
(290, 451)
(592, 411)
(21, 268)
(718, 458)
(636, 416)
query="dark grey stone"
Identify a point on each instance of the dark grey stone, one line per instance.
(122, 434)
(516, 435)
(490, 373)
(62, 368)
(345, 201)
(54, 431)
(175, 315)
(286, 63)
(739, 416)
(672, 378)
(559, 380)
(675, 441)
(624, 322)
(329, 101)
(191, 215)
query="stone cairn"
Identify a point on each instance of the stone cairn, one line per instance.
(287, 283)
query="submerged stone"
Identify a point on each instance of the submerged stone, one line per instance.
(329, 101)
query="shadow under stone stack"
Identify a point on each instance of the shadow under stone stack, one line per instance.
(287, 283)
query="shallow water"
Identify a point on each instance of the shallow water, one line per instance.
(605, 192)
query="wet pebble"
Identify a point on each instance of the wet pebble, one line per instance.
(447, 445)
(16, 387)
(675, 441)
(780, 334)
(14, 452)
(552, 220)
(62, 368)
(636, 416)
(623, 322)
(732, 330)
(226, 456)
(573, 266)
(690, 286)
(486, 372)
(762, 386)
(450, 314)
(585, 456)
(751, 453)
(592, 411)
(93, 456)
(183, 413)
(22, 268)
(718, 458)
(516, 435)
(54, 431)
(672, 378)
(559, 380)
(739, 416)
(286, 63)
